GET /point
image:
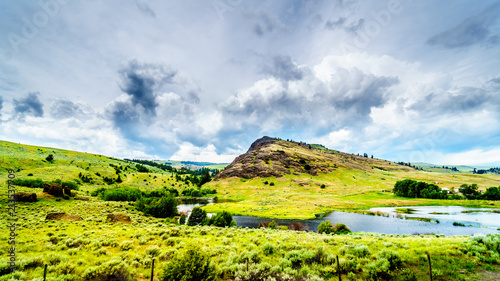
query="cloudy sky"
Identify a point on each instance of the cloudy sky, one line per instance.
(201, 80)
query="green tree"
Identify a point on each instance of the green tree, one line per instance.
(469, 191)
(164, 207)
(50, 158)
(182, 219)
(492, 193)
(205, 178)
(272, 225)
(192, 265)
(325, 227)
(198, 215)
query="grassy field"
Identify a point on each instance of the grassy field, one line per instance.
(95, 249)
(302, 197)
(81, 250)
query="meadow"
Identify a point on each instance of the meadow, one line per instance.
(97, 249)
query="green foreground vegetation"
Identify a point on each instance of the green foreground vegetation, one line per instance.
(95, 248)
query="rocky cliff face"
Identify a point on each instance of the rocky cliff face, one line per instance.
(270, 157)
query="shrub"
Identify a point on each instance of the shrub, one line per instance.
(359, 251)
(126, 245)
(221, 219)
(323, 186)
(121, 194)
(163, 207)
(341, 228)
(153, 251)
(182, 219)
(272, 225)
(197, 217)
(325, 227)
(393, 258)
(378, 269)
(192, 265)
(114, 269)
(98, 192)
(268, 249)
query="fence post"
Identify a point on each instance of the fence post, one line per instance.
(338, 268)
(152, 269)
(45, 273)
(430, 267)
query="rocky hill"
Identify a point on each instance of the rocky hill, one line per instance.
(268, 157)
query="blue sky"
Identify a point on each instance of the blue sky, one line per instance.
(403, 80)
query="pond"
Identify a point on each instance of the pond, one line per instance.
(475, 220)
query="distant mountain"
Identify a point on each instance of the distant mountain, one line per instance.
(268, 157)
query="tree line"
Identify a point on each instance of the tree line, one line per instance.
(413, 189)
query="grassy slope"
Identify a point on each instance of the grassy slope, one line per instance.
(27, 159)
(71, 248)
(356, 183)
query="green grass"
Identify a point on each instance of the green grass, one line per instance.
(75, 249)
(71, 248)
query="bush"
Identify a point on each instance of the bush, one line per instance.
(221, 219)
(111, 270)
(359, 251)
(272, 225)
(325, 227)
(393, 258)
(323, 186)
(182, 219)
(98, 192)
(122, 194)
(163, 207)
(268, 249)
(192, 265)
(197, 217)
(378, 270)
(341, 228)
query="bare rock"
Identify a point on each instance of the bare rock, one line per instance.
(25, 197)
(119, 217)
(56, 189)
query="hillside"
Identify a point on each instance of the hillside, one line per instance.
(90, 170)
(284, 179)
(270, 157)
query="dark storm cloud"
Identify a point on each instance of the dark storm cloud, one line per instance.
(460, 101)
(347, 102)
(65, 109)
(284, 68)
(140, 82)
(472, 30)
(143, 7)
(30, 105)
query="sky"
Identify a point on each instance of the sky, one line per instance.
(412, 81)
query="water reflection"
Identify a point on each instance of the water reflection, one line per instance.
(475, 221)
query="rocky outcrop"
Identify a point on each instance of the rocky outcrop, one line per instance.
(25, 197)
(62, 216)
(268, 157)
(56, 189)
(119, 217)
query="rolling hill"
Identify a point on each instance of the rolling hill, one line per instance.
(286, 179)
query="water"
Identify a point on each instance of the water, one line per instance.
(475, 222)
